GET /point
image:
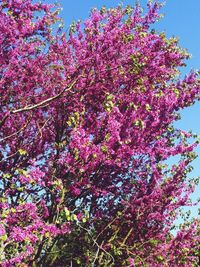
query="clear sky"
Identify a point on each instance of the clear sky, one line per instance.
(181, 19)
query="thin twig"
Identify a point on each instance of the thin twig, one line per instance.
(95, 242)
(44, 101)
(19, 131)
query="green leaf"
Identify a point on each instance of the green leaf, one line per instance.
(22, 152)
(84, 220)
(67, 212)
(4, 237)
(153, 242)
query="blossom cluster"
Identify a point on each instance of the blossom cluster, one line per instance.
(86, 139)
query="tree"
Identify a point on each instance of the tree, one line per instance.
(86, 137)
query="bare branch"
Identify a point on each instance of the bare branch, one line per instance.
(44, 102)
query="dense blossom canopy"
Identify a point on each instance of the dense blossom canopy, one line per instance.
(86, 134)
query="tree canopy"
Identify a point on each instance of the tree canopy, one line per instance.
(86, 135)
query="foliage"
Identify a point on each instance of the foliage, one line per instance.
(86, 136)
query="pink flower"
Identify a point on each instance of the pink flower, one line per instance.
(2, 230)
(132, 262)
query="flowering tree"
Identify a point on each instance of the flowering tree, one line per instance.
(86, 136)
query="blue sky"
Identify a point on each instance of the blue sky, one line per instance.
(181, 19)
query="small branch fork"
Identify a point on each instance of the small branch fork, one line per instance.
(42, 103)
